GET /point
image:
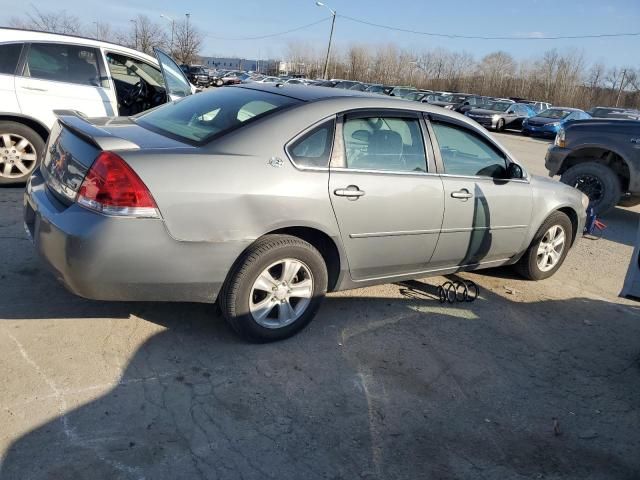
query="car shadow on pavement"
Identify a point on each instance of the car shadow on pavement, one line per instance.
(377, 387)
(622, 226)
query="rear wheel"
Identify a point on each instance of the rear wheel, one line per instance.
(548, 249)
(596, 181)
(275, 288)
(21, 149)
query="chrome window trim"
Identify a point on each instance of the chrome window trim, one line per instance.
(383, 172)
(302, 134)
(492, 179)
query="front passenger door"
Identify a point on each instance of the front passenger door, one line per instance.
(386, 196)
(487, 215)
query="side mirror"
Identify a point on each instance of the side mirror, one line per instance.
(514, 171)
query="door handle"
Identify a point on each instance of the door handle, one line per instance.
(462, 194)
(34, 88)
(352, 192)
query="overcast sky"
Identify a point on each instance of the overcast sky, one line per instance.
(244, 18)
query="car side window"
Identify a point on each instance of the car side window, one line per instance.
(313, 149)
(384, 143)
(9, 56)
(466, 153)
(63, 63)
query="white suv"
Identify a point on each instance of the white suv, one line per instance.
(44, 72)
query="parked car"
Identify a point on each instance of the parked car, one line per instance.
(401, 91)
(547, 123)
(341, 217)
(474, 101)
(601, 158)
(614, 112)
(328, 83)
(501, 115)
(450, 101)
(298, 81)
(359, 87)
(380, 89)
(270, 80)
(345, 84)
(234, 77)
(215, 78)
(42, 72)
(538, 106)
(197, 75)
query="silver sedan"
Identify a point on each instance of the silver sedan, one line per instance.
(263, 198)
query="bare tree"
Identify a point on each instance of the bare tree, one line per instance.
(187, 42)
(144, 34)
(52, 21)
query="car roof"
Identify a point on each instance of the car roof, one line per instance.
(16, 35)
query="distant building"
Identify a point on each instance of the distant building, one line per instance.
(235, 63)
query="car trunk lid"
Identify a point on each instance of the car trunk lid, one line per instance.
(75, 143)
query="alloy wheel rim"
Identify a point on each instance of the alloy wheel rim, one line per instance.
(591, 186)
(17, 156)
(281, 293)
(550, 248)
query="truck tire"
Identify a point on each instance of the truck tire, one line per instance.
(21, 150)
(598, 182)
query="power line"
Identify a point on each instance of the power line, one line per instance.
(270, 35)
(480, 37)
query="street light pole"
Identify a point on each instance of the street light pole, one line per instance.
(173, 28)
(333, 22)
(135, 23)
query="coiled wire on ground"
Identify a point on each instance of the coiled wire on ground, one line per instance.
(458, 291)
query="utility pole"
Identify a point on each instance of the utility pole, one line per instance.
(333, 22)
(173, 29)
(624, 73)
(135, 23)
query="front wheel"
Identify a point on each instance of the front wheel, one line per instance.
(219, 83)
(20, 151)
(275, 289)
(596, 181)
(548, 249)
(500, 125)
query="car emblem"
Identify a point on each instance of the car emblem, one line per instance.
(275, 162)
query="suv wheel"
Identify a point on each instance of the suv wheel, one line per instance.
(548, 249)
(500, 125)
(275, 288)
(20, 151)
(598, 182)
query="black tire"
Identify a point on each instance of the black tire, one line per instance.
(598, 182)
(235, 295)
(527, 266)
(500, 125)
(37, 145)
(219, 83)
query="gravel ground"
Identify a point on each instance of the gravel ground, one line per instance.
(533, 380)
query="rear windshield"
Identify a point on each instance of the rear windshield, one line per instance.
(202, 116)
(554, 113)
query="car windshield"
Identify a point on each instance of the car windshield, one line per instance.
(498, 106)
(555, 113)
(414, 95)
(401, 92)
(375, 88)
(204, 116)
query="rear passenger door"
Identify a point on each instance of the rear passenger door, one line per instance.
(58, 76)
(387, 199)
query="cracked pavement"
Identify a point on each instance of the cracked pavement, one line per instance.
(386, 383)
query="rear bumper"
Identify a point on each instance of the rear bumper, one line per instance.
(110, 258)
(555, 158)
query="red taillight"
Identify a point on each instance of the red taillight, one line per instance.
(113, 188)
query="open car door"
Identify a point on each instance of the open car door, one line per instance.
(176, 83)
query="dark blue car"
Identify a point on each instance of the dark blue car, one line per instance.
(547, 123)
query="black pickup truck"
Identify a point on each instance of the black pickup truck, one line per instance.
(600, 157)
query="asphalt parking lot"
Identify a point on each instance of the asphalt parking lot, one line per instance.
(533, 380)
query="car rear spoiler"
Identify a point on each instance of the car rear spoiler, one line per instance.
(80, 125)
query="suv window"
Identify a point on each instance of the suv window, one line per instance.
(314, 148)
(63, 63)
(384, 143)
(9, 56)
(467, 153)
